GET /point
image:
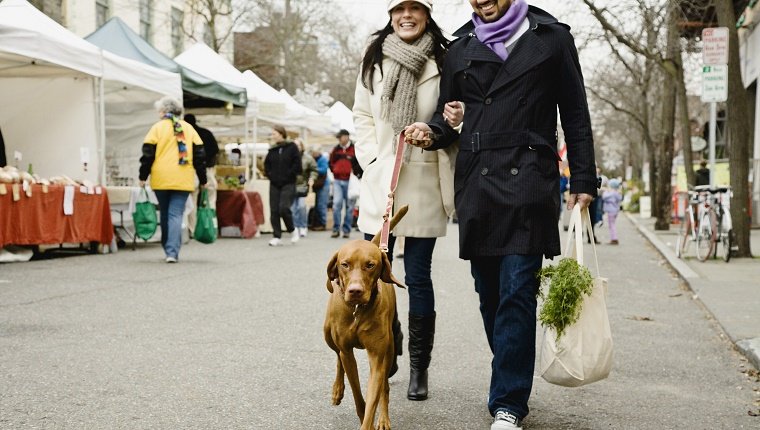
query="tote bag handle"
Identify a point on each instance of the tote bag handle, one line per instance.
(578, 220)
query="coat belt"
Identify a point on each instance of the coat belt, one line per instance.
(477, 142)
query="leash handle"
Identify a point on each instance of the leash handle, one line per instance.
(386, 230)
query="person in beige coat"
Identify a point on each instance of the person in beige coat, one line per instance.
(397, 85)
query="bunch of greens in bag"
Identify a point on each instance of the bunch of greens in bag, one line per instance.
(567, 281)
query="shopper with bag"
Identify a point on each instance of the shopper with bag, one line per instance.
(343, 164)
(409, 50)
(513, 66)
(172, 155)
(307, 176)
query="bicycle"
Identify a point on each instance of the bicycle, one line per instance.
(688, 231)
(714, 227)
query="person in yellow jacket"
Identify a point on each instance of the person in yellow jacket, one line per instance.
(172, 155)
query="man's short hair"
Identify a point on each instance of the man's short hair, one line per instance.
(342, 132)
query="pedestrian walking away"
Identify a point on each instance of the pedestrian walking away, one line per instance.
(172, 153)
(399, 78)
(282, 165)
(342, 164)
(612, 198)
(211, 148)
(513, 66)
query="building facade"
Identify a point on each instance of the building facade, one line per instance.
(749, 51)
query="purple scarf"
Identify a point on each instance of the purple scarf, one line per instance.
(494, 34)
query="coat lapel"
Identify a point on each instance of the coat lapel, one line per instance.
(529, 52)
(478, 51)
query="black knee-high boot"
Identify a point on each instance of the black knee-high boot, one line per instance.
(421, 335)
(398, 343)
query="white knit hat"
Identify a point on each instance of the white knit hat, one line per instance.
(393, 3)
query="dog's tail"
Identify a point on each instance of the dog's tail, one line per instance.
(395, 220)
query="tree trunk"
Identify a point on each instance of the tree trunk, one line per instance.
(738, 133)
(665, 151)
(683, 108)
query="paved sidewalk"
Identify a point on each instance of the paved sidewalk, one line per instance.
(730, 291)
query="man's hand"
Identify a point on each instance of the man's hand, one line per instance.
(453, 113)
(583, 199)
(418, 134)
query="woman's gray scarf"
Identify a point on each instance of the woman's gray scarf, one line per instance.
(398, 101)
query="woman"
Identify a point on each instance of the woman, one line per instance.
(282, 165)
(172, 152)
(398, 85)
(308, 174)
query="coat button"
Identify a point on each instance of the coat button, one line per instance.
(484, 171)
(523, 101)
(469, 63)
(514, 171)
(488, 101)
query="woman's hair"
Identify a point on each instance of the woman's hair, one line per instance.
(374, 53)
(169, 105)
(280, 129)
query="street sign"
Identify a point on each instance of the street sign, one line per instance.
(715, 49)
(714, 84)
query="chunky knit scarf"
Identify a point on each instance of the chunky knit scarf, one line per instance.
(179, 134)
(494, 34)
(398, 101)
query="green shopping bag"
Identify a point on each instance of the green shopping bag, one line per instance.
(205, 226)
(144, 218)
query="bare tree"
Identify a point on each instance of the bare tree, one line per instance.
(217, 19)
(738, 132)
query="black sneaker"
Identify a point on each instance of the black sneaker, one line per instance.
(346, 235)
(505, 420)
(335, 234)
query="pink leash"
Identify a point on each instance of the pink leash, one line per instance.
(386, 230)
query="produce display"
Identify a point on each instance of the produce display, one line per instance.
(20, 180)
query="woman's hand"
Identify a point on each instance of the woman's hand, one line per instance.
(142, 184)
(418, 134)
(453, 113)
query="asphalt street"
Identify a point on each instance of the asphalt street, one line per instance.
(231, 338)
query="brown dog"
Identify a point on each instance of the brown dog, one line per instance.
(360, 315)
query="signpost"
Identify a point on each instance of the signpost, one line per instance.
(714, 80)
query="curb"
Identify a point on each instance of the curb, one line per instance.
(750, 348)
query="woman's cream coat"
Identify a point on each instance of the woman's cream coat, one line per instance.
(426, 182)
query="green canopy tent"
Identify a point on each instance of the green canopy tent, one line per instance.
(198, 91)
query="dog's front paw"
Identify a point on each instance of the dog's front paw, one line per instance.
(337, 393)
(383, 423)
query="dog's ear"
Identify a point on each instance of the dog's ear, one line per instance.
(386, 275)
(332, 271)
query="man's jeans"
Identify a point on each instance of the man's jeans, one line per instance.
(299, 212)
(171, 203)
(507, 287)
(340, 196)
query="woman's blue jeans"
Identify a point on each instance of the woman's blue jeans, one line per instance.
(299, 212)
(171, 203)
(507, 287)
(418, 257)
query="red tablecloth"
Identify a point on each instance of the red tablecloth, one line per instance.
(242, 209)
(39, 220)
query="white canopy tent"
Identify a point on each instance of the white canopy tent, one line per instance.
(58, 90)
(264, 102)
(342, 117)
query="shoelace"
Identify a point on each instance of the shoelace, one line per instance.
(506, 416)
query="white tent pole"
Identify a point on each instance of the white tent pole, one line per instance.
(100, 91)
(254, 168)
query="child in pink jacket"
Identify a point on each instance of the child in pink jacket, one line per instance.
(611, 199)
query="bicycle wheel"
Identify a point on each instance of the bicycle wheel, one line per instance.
(684, 237)
(727, 241)
(706, 236)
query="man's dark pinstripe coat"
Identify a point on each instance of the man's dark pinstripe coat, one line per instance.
(507, 176)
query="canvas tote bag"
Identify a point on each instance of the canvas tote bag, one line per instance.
(584, 352)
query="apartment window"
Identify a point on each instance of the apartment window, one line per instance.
(146, 19)
(102, 12)
(177, 40)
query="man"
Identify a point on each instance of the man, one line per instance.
(321, 189)
(342, 163)
(702, 174)
(211, 147)
(512, 67)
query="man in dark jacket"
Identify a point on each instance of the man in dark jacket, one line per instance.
(342, 163)
(282, 165)
(512, 67)
(211, 147)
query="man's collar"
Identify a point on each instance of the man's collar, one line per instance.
(536, 16)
